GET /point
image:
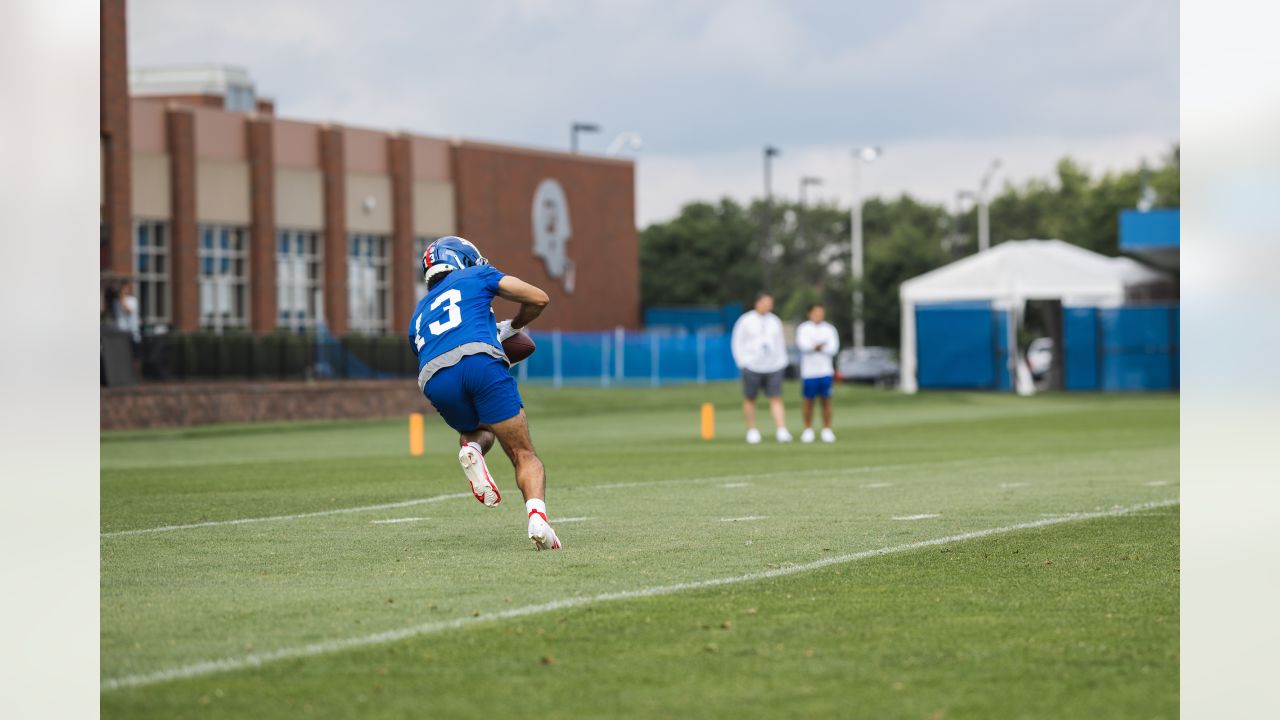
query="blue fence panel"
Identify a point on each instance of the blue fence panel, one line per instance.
(647, 357)
(1138, 347)
(1080, 348)
(719, 357)
(541, 364)
(637, 356)
(678, 357)
(956, 345)
(1175, 361)
(580, 355)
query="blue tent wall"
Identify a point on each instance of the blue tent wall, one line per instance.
(962, 345)
(1126, 348)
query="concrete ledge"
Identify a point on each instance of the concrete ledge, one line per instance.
(204, 403)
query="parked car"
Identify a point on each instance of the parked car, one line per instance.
(870, 365)
(1040, 357)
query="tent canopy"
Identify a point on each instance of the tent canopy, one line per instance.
(1010, 274)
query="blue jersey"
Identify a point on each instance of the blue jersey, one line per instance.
(455, 319)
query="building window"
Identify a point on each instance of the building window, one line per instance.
(239, 98)
(367, 296)
(151, 270)
(299, 279)
(224, 277)
(419, 284)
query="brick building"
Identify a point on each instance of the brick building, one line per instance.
(229, 217)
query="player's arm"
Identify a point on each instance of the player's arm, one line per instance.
(532, 299)
(805, 340)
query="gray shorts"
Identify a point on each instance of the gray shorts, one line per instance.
(753, 381)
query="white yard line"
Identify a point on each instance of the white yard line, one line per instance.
(922, 516)
(438, 498)
(298, 516)
(572, 519)
(735, 485)
(745, 518)
(1157, 483)
(392, 521)
(726, 479)
(877, 486)
(326, 647)
(1010, 486)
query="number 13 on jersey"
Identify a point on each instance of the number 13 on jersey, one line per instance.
(453, 317)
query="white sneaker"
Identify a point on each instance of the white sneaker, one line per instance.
(828, 436)
(482, 484)
(784, 436)
(540, 532)
(753, 437)
(807, 435)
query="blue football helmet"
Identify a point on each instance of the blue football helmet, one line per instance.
(452, 252)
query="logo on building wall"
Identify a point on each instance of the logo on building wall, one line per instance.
(551, 231)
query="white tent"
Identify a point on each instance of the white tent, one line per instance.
(1010, 274)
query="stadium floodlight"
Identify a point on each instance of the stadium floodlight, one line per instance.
(580, 127)
(625, 141)
(770, 152)
(861, 156)
(984, 216)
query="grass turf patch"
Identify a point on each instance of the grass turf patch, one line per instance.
(1073, 620)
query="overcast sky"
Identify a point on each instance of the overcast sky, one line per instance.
(944, 85)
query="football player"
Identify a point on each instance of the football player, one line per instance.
(463, 370)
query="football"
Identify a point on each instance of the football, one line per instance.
(518, 347)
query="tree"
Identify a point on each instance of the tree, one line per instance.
(710, 254)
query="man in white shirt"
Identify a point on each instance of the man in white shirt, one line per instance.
(760, 352)
(818, 343)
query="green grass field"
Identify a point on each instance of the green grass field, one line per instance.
(952, 556)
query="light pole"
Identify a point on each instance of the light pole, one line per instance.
(805, 182)
(580, 127)
(984, 216)
(766, 251)
(861, 155)
(954, 241)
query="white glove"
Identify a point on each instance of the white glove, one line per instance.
(506, 331)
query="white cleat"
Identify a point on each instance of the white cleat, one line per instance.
(783, 435)
(828, 436)
(753, 437)
(477, 472)
(807, 435)
(540, 532)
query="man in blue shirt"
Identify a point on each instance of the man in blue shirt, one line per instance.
(463, 370)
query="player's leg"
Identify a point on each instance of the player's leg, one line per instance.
(750, 388)
(531, 478)
(482, 438)
(473, 446)
(497, 401)
(447, 391)
(806, 410)
(828, 435)
(773, 390)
